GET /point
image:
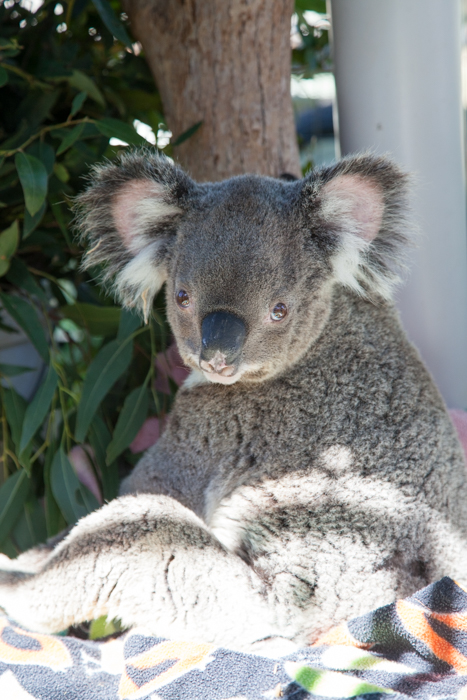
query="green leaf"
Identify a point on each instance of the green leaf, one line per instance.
(109, 364)
(78, 102)
(186, 134)
(315, 5)
(19, 275)
(15, 409)
(98, 320)
(83, 82)
(45, 153)
(9, 239)
(130, 420)
(14, 370)
(61, 172)
(114, 128)
(74, 499)
(30, 529)
(56, 206)
(129, 323)
(38, 408)
(13, 494)
(99, 437)
(33, 177)
(113, 24)
(25, 315)
(102, 627)
(3, 76)
(32, 222)
(54, 519)
(53, 515)
(70, 138)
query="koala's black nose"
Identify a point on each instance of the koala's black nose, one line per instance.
(224, 333)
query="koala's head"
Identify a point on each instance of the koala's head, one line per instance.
(250, 263)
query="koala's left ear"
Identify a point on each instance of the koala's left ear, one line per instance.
(359, 207)
(128, 218)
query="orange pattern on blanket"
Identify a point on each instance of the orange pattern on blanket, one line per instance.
(415, 621)
(52, 652)
(457, 621)
(186, 655)
(340, 635)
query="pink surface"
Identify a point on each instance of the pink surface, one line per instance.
(459, 418)
(169, 364)
(79, 457)
(148, 434)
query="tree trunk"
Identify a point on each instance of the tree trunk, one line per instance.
(225, 63)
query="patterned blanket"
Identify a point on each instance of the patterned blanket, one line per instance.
(414, 648)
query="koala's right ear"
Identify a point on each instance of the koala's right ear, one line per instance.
(128, 218)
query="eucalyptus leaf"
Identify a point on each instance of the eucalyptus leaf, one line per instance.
(109, 364)
(98, 320)
(32, 222)
(33, 177)
(13, 495)
(99, 437)
(4, 267)
(19, 275)
(84, 83)
(30, 529)
(15, 409)
(130, 420)
(25, 315)
(187, 134)
(74, 500)
(314, 5)
(14, 370)
(38, 408)
(78, 102)
(56, 206)
(129, 323)
(61, 172)
(9, 239)
(3, 76)
(71, 137)
(114, 128)
(45, 153)
(53, 515)
(112, 23)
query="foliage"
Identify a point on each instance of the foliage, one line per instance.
(312, 55)
(68, 87)
(71, 82)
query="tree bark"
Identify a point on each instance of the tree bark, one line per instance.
(225, 63)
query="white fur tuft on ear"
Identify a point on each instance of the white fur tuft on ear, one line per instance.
(362, 206)
(139, 280)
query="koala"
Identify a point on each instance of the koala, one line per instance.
(309, 471)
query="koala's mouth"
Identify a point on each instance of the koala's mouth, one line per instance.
(218, 370)
(222, 379)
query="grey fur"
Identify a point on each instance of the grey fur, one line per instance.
(326, 481)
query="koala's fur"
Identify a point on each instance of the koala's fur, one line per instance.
(325, 480)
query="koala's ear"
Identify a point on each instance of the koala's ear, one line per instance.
(360, 208)
(128, 219)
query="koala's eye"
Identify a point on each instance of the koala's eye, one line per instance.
(183, 299)
(279, 312)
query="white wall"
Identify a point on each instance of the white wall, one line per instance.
(397, 69)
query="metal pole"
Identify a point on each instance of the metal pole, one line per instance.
(397, 68)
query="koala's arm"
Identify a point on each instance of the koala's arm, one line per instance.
(173, 467)
(148, 561)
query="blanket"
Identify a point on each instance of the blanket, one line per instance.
(413, 648)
